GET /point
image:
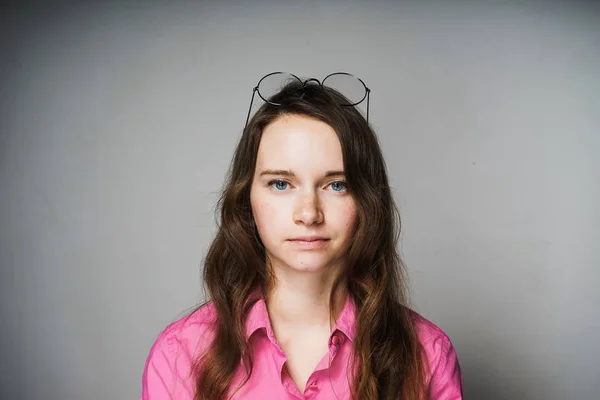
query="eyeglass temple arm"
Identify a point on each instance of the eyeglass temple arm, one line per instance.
(368, 96)
(250, 109)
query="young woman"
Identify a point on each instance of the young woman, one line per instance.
(307, 295)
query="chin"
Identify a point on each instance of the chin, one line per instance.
(309, 264)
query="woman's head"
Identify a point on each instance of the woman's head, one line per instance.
(310, 134)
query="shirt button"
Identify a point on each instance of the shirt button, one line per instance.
(336, 340)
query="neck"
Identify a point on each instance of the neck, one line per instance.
(301, 299)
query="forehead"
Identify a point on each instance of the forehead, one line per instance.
(301, 144)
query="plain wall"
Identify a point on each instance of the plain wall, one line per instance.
(118, 121)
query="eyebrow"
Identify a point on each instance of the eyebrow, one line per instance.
(290, 173)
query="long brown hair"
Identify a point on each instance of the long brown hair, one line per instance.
(390, 364)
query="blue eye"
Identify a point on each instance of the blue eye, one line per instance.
(338, 186)
(279, 185)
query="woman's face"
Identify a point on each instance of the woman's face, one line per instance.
(303, 210)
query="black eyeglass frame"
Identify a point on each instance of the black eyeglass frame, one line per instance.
(304, 83)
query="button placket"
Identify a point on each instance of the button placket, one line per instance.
(335, 342)
(311, 388)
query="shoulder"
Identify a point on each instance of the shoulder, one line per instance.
(443, 370)
(187, 332)
(428, 333)
(174, 353)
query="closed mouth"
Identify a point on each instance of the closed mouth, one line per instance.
(308, 239)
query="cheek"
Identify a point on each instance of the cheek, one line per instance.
(264, 217)
(347, 216)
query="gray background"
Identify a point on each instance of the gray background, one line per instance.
(118, 121)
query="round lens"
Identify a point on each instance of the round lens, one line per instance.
(348, 85)
(272, 84)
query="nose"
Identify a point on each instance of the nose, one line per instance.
(308, 210)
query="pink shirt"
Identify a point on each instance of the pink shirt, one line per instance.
(167, 372)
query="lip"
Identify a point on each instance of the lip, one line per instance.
(308, 238)
(309, 242)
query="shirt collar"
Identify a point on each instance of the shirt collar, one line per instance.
(258, 317)
(346, 321)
